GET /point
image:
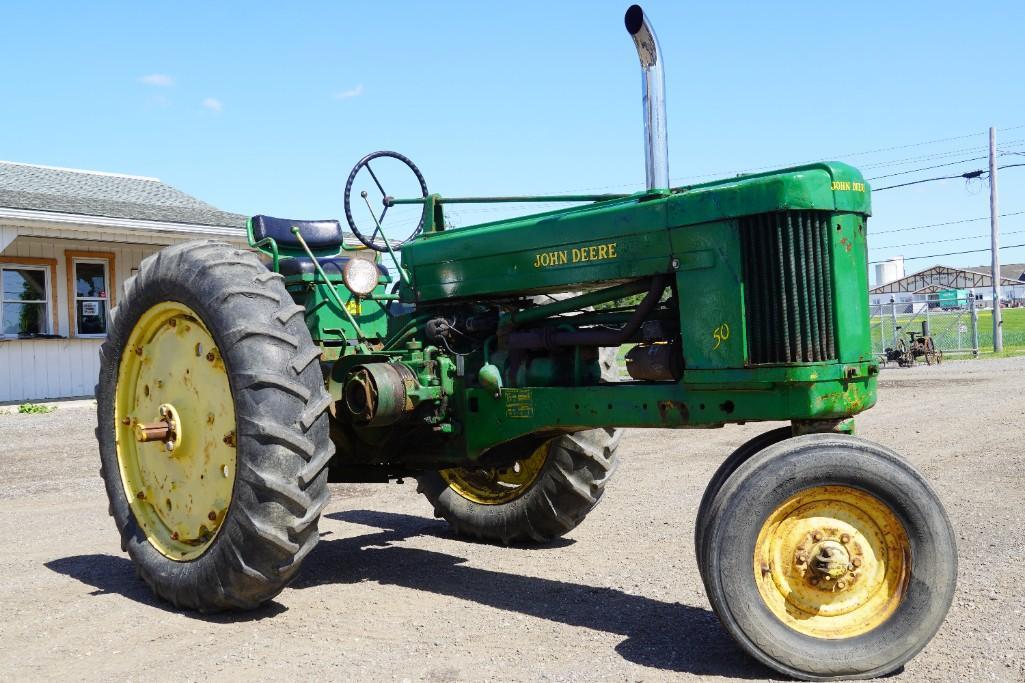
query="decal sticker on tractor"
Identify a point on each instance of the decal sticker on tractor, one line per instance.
(518, 403)
(598, 252)
(847, 186)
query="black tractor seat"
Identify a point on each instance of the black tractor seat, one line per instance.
(319, 235)
(302, 265)
(332, 266)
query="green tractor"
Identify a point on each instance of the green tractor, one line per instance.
(236, 384)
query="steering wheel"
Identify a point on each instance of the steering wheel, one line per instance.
(385, 199)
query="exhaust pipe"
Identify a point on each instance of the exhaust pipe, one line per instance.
(656, 143)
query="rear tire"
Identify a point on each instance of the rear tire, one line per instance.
(799, 512)
(570, 482)
(279, 433)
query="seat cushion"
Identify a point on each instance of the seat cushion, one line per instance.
(332, 266)
(318, 234)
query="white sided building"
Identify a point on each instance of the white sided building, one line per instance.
(68, 240)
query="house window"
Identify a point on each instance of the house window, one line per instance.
(24, 300)
(90, 287)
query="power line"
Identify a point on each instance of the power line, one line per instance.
(970, 175)
(936, 225)
(882, 164)
(926, 168)
(952, 253)
(937, 155)
(949, 239)
(834, 156)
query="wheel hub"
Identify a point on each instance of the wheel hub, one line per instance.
(832, 562)
(166, 430)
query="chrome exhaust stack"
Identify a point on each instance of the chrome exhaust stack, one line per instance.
(656, 143)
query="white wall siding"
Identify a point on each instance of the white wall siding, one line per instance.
(35, 369)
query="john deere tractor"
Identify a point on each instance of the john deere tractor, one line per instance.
(236, 384)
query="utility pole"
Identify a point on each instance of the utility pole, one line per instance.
(994, 225)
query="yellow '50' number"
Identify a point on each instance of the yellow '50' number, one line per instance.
(720, 334)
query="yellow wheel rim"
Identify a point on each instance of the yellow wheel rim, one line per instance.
(499, 485)
(175, 431)
(832, 562)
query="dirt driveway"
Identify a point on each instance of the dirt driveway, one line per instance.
(389, 594)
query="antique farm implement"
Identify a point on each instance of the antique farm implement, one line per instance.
(234, 388)
(918, 345)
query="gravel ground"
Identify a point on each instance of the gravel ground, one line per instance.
(389, 594)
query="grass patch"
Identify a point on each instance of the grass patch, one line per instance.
(35, 408)
(952, 329)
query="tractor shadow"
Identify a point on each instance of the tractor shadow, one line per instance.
(661, 635)
(111, 575)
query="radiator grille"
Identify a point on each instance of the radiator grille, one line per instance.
(788, 287)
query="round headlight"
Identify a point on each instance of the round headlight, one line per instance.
(360, 276)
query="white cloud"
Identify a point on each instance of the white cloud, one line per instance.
(159, 80)
(352, 92)
(213, 104)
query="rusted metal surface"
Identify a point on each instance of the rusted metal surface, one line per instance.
(152, 431)
(673, 412)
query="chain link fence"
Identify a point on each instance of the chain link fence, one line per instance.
(953, 325)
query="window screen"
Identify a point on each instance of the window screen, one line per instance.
(90, 297)
(23, 301)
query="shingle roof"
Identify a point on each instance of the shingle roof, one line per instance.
(61, 190)
(1012, 271)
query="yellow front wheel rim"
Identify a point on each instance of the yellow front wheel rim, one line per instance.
(496, 486)
(172, 383)
(832, 562)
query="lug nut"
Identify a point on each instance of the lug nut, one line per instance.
(845, 538)
(816, 537)
(856, 561)
(126, 421)
(212, 516)
(174, 536)
(210, 356)
(172, 322)
(841, 585)
(802, 558)
(141, 495)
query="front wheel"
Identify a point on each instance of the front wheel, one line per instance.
(829, 557)
(536, 499)
(742, 454)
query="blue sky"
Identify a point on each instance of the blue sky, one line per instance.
(264, 107)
